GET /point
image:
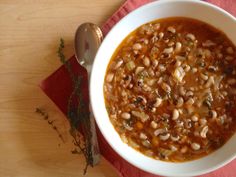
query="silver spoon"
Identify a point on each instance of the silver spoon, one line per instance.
(88, 38)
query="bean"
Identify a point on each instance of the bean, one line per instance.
(189, 93)
(230, 50)
(180, 111)
(154, 39)
(174, 138)
(181, 58)
(127, 126)
(146, 143)
(225, 93)
(127, 80)
(139, 69)
(137, 46)
(178, 74)
(154, 63)
(157, 26)
(204, 77)
(118, 64)
(146, 88)
(143, 117)
(191, 88)
(190, 101)
(177, 63)
(170, 44)
(153, 109)
(160, 80)
(146, 61)
(194, 118)
(175, 114)
(194, 70)
(187, 68)
(151, 82)
(171, 29)
(213, 114)
(210, 82)
(204, 131)
(125, 115)
(158, 102)
(161, 35)
(168, 50)
(178, 47)
(161, 68)
(159, 131)
(180, 102)
(165, 136)
(208, 43)
(142, 136)
(173, 148)
(153, 124)
(195, 146)
(190, 36)
(182, 91)
(179, 124)
(212, 68)
(188, 123)
(142, 99)
(110, 77)
(165, 87)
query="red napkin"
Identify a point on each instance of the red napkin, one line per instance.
(58, 87)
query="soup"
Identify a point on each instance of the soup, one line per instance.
(170, 89)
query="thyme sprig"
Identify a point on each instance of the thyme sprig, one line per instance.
(78, 113)
(63, 60)
(45, 116)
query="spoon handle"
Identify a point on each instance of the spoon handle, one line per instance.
(88, 38)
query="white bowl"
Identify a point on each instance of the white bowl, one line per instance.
(159, 9)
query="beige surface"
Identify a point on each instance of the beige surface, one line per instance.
(29, 34)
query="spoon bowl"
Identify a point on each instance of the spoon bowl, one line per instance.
(88, 38)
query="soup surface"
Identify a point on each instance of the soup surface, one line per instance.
(170, 89)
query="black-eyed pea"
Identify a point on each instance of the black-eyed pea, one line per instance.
(175, 114)
(190, 36)
(142, 136)
(204, 131)
(178, 47)
(164, 136)
(125, 115)
(146, 61)
(194, 118)
(168, 50)
(153, 124)
(195, 146)
(171, 29)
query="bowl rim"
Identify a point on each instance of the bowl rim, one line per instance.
(101, 128)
